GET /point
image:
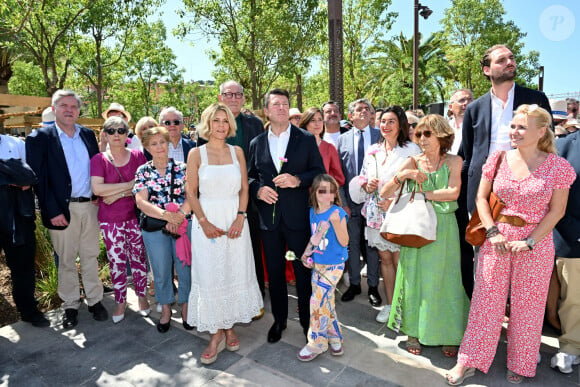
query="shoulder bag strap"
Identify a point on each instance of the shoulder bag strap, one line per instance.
(110, 157)
(498, 164)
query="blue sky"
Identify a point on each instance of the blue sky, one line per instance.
(552, 28)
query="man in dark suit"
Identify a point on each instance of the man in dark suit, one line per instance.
(179, 146)
(352, 147)
(486, 125)
(60, 156)
(248, 127)
(283, 161)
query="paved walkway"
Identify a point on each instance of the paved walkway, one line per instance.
(133, 353)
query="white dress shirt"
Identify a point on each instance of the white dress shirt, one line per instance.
(78, 162)
(11, 148)
(458, 130)
(501, 118)
(278, 146)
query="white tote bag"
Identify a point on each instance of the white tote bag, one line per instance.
(410, 220)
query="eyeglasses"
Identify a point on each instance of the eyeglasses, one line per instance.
(111, 131)
(463, 100)
(325, 191)
(427, 133)
(278, 105)
(234, 95)
(174, 122)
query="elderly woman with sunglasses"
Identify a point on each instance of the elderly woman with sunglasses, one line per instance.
(429, 303)
(518, 254)
(112, 179)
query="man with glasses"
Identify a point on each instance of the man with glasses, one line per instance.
(179, 147)
(248, 127)
(457, 105)
(283, 161)
(60, 156)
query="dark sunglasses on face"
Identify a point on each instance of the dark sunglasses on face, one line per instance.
(427, 133)
(111, 131)
(174, 122)
(325, 191)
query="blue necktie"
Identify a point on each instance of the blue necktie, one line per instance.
(361, 150)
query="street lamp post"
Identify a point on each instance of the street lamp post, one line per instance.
(425, 12)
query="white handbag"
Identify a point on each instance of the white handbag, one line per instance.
(410, 220)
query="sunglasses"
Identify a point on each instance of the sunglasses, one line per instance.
(427, 134)
(174, 122)
(233, 95)
(111, 131)
(325, 191)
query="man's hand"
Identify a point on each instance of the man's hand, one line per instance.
(59, 221)
(267, 195)
(286, 180)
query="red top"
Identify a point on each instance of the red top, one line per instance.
(331, 161)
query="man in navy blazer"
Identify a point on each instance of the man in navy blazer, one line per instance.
(351, 160)
(567, 244)
(486, 129)
(283, 161)
(60, 156)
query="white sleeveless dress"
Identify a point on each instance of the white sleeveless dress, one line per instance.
(224, 289)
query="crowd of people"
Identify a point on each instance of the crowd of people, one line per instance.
(209, 219)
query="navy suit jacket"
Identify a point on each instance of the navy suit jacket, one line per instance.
(476, 134)
(187, 146)
(45, 156)
(304, 161)
(345, 147)
(567, 231)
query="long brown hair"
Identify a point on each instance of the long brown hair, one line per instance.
(324, 178)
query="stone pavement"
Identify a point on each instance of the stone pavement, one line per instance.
(133, 353)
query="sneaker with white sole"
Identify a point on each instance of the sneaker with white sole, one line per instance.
(336, 349)
(564, 361)
(383, 315)
(306, 354)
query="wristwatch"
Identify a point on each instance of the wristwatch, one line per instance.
(531, 243)
(245, 214)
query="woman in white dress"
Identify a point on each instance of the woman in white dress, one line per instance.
(224, 289)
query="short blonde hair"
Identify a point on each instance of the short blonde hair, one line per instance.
(151, 132)
(142, 123)
(209, 114)
(440, 128)
(544, 120)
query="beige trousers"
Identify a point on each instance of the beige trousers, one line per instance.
(569, 308)
(79, 239)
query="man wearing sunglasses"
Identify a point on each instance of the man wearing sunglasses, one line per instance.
(179, 146)
(60, 156)
(486, 123)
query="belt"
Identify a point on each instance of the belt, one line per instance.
(513, 220)
(81, 199)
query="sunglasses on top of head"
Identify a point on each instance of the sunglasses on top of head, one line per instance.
(111, 131)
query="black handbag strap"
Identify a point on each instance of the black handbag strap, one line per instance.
(110, 157)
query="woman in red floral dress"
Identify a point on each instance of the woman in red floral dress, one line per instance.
(518, 254)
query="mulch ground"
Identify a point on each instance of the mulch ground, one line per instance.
(8, 313)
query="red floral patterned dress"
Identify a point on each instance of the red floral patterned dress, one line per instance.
(526, 273)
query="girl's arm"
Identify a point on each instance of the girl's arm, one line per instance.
(340, 229)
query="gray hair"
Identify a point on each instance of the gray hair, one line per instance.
(115, 122)
(468, 91)
(170, 109)
(223, 85)
(59, 94)
(352, 105)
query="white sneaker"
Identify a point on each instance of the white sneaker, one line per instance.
(383, 315)
(564, 362)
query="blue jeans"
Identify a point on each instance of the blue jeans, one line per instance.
(161, 251)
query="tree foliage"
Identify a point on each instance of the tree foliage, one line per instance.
(259, 40)
(472, 26)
